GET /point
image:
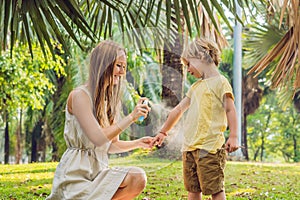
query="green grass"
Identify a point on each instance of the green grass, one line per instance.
(243, 180)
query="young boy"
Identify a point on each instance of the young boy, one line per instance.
(211, 109)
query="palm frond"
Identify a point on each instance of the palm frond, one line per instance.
(258, 40)
(138, 23)
(210, 26)
(44, 20)
(286, 51)
(47, 20)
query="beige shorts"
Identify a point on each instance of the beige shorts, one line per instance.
(204, 171)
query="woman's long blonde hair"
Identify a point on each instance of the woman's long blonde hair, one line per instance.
(105, 95)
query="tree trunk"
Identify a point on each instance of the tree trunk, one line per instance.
(263, 137)
(36, 134)
(18, 145)
(296, 159)
(256, 154)
(262, 147)
(172, 70)
(19, 141)
(172, 73)
(252, 95)
(54, 156)
(244, 138)
(6, 140)
(296, 101)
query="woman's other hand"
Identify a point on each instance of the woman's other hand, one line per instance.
(140, 109)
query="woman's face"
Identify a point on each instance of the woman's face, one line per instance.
(119, 67)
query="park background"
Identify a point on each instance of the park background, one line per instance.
(44, 55)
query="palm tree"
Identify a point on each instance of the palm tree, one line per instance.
(252, 95)
(50, 22)
(87, 21)
(63, 85)
(285, 73)
(27, 20)
(267, 46)
(172, 69)
(272, 49)
(45, 20)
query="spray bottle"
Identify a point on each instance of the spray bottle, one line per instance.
(141, 118)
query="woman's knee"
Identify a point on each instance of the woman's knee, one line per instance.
(138, 178)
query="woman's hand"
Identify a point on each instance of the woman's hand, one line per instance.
(145, 142)
(140, 109)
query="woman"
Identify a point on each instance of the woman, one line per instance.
(92, 131)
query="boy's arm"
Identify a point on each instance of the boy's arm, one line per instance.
(173, 117)
(232, 142)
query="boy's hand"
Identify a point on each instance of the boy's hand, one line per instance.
(158, 139)
(232, 144)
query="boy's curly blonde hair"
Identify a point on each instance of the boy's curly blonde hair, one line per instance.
(203, 49)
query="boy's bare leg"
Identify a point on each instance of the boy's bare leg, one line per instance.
(194, 196)
(219, 196)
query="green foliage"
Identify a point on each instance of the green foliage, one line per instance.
(275, 131)
(226, 66)
(243, 180)
(143, 80)
(24, 80)
(136, 71)
(79, 65)
(27, 85)
(153, 78)
(76, 69)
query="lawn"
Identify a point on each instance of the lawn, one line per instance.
(244, 180)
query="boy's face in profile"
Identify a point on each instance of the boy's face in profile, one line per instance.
(194, 66)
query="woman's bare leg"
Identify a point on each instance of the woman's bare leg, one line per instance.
(132, 185)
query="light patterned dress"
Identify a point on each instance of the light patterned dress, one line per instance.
(83, 171)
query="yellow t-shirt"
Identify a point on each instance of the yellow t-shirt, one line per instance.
(206, 119)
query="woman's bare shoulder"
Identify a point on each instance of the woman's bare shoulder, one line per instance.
(77, 97)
